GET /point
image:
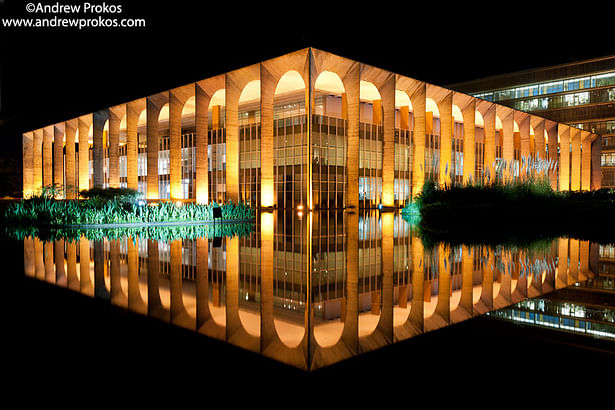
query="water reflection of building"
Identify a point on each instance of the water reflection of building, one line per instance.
(310, 289)
(585, 308)
(306, 129)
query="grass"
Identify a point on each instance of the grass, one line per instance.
(519, 210)
(113, 207)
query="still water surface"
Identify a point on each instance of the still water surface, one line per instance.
(308, 290)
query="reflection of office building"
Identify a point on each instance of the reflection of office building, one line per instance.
(581, 94)
(308, 128)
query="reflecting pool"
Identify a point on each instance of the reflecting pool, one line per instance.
(306, 289)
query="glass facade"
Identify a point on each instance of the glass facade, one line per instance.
(290, 151)
(188, 147)
(329, 145)
(249, 154)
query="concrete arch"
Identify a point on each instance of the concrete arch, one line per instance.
(251, 92)
(291, 81)
(240, 87)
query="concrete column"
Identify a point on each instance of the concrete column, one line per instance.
(58, 157)
(523, 120)
(508, 138)
(352, 86)
(203, 92)
(115, 117)
(539, 136)
(586, 161)
(561, 279)
(202, 177)
(27, 164)
(86, 285)
(575, 163)
(98, 122)
(71, 182)
(596, 169)
(233, 91)
(84, 152)
(551, 128)
(48, 156)
(418, 98)
(133, 111)
(175, 144)
(564, 157)
(154, 104)
(488, 113)
(387, 91)
(268, 86)
(469, 141)
(447, 124)
(37, 160)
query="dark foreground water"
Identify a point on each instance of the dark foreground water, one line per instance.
(319, 307)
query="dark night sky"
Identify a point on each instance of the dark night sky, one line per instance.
(49, 75)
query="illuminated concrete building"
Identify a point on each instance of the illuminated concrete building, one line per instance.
(307, 129)
(580, 94)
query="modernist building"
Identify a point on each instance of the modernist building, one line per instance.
(580, 94)
(306, 129)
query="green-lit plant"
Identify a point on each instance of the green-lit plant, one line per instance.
(114, 207)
